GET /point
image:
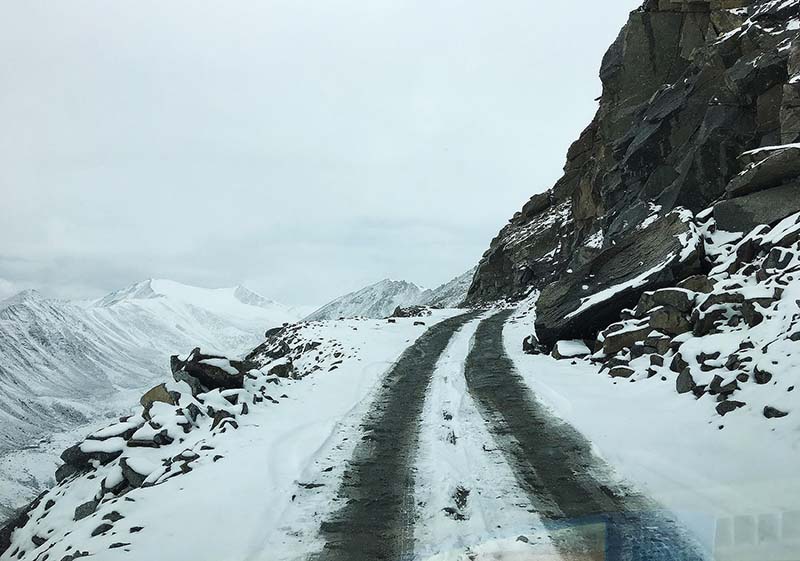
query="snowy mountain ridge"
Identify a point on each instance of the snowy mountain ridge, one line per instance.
(380, 299)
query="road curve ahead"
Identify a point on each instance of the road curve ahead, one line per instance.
(554, 463)
(376, 523)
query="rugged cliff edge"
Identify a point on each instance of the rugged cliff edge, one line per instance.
(690, 90)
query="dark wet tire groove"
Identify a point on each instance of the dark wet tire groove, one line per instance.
(376, 523)
(555, 465)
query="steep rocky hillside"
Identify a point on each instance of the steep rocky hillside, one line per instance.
(690, 89)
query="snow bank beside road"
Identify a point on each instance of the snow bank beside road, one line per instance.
(730, 486)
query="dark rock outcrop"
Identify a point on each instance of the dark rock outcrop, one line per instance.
(772, 168)
(742, 214)
(688, 88)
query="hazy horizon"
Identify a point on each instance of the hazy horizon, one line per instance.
(303, 151)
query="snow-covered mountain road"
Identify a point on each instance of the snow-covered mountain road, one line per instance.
(557, 498)
(415, 439)
(588, 512)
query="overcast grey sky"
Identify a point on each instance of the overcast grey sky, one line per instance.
(304, 149)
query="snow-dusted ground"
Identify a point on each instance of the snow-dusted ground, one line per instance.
(737, 488)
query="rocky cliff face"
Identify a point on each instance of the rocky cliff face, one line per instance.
(688, 88)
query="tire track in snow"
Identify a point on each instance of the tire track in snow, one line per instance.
(376, 523)
(470, 505)
(572, 488)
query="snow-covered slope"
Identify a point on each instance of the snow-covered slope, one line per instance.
(264, 461)
(65, 364)
(375, 301)
(380, 299)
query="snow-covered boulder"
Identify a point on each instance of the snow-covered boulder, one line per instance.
(209, 371)
(570, 349)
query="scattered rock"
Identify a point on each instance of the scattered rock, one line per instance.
(101, 529)
(86, 509)
(761, 376)
(531, 346)
(684, 383)
(566, 309)
(773, 413)
(621, 372)
(725, 407)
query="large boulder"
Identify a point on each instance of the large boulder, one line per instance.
(676, 298)
(158, 393)
(770, 206)
(211, 371)
(77, 456)
(770, 167)
(615, 341)
(669, 320)
(580, 304)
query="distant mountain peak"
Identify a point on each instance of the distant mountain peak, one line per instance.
(137, 291)
(26, 296)
(380, 299)
(375, 300)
